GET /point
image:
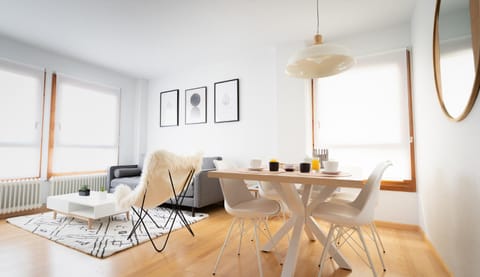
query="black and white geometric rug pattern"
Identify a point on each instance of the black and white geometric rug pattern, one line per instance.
(107, 235)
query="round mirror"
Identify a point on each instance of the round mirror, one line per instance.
(455, 56)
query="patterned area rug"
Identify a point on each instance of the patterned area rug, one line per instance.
(106, 237)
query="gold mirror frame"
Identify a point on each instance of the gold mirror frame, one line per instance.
(475, 29)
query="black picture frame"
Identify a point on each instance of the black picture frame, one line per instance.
(196, 105)
(227, 101)
(169, 108)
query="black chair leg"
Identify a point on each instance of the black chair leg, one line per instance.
(151, 218)
(151, 240)
(169, 216)
(185, 222)
(135, 226)
(176, 211)
(179, 199)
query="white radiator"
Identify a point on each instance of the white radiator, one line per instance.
(16, 195)
(71, 184)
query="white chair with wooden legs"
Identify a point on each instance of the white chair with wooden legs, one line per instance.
(241, 204)
(347, 218)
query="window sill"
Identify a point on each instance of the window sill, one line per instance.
(405, 185)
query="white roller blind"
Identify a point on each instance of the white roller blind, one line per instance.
(21, 104)
(362, 114)
(86, 126)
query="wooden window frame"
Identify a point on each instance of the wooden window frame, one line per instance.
(51, 141)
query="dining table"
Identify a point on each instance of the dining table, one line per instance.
(300, 204)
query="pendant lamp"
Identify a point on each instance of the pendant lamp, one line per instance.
(319, 60)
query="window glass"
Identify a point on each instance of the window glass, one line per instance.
(21, 104)
(86, 126)
(362, 115)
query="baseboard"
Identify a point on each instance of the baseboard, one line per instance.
(42, 209)
(398, 226)
(435, 253)
(415, 228)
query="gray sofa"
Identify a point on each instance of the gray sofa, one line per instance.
(203, 191)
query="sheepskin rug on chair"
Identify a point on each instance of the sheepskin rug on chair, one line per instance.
(156, 181)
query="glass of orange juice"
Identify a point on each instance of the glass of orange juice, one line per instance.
(315, 164)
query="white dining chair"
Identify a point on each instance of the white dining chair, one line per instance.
(242, 205)
(347, 217)
(348, 197)
(267, 190)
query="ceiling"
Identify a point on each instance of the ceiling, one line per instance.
(149, 38)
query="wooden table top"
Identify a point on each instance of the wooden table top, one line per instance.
(342, 179)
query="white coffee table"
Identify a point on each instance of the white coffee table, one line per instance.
(84, 207)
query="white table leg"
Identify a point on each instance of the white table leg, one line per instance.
(279, 234)
(307, 190)
(292, 255)
(337, 255)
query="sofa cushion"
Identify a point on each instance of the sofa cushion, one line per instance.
(127, 172)
(132, 182)
(207, 162)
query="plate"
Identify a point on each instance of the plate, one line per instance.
(331, 173)
(255, 168)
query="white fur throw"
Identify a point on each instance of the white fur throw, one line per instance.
(155, 179)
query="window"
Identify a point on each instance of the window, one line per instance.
(85, 127)
(363, 116)
(21, 110)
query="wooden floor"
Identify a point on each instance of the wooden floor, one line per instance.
(25, 254)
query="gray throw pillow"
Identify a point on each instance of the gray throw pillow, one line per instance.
(127, 172)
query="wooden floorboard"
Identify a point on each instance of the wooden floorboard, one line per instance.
(25, 254)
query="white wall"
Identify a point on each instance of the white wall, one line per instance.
(253, 136)
(294, 110)
(447, 161)
(133, 91)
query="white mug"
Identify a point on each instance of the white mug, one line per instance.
(255, 163)
(330, 166)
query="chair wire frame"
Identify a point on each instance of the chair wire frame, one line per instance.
(176, 211)
(240, 222)
(372, 235)
(342, 235)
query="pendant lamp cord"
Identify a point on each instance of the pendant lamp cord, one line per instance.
(318, 22)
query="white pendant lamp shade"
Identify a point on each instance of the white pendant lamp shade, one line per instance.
(319, 60)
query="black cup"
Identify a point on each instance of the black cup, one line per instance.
(304, 167)
(273, 166)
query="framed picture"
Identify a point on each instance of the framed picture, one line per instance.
(169, 108)
(227, 101)
(196, 105)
